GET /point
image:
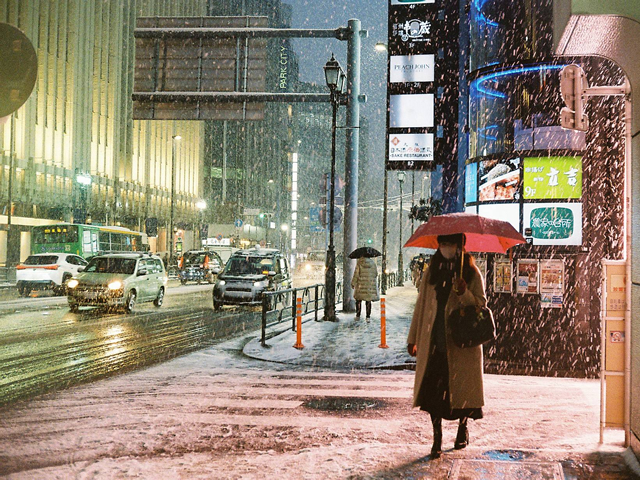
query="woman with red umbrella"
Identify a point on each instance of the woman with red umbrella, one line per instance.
(449, 380)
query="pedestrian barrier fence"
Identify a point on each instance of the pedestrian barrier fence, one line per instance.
(280, 307)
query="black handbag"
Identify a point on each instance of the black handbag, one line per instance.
(471, 326)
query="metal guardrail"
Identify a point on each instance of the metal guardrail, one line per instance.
(280, 306)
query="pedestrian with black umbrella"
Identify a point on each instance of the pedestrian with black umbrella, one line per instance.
(365, 279)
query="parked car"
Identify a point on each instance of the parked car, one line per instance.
(44, 271)
(199, 266)
(119, 280)
(248, 274)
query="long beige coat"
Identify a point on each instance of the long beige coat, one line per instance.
(365, 280)
(465, 364)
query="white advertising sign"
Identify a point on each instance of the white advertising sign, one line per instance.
(411, 68)
(409, 2)
(413, 110)
(410, 147)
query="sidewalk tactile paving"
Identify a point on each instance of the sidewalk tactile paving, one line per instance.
(463, 469)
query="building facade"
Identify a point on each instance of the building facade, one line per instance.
(78, 121)
(563, 189)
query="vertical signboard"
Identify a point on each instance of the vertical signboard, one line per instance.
(422, 84)
(613, 328)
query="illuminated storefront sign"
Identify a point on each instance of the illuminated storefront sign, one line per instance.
(548, 178)
(471, 183)
(554, 223)
(508, 212)
(411, 68)
(411, 110)
(422, 84)
(411, 147)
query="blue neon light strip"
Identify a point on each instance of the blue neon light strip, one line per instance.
(504, 73)
(479, 4)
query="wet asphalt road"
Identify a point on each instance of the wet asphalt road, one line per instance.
(45, 347)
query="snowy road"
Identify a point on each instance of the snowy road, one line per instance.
(43, 346)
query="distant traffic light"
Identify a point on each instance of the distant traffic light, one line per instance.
(262, 215)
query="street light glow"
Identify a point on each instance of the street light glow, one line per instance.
(381, 47)
(201, 205)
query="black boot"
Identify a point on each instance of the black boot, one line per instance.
(462, 438)
(436, 449)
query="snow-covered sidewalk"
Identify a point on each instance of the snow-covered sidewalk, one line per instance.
(217, 413)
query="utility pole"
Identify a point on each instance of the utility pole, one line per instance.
(351, 161)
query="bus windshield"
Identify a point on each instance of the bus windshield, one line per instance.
(55, 234)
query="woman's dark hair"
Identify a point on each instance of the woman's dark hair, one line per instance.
(437, 261)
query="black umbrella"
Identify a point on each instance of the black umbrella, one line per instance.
(366, 252)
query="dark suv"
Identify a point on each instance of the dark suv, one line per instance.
(199, 266)
(247, 274)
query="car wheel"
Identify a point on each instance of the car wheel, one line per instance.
(131, 301)
(73, 307)
(160, 298)
(23, 291)
(217, 305)
(183, 281)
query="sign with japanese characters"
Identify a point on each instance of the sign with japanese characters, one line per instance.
(422, 83)
(417, 147)
(547, 178)
(553, 223)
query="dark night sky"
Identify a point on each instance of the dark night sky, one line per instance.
(313, 54)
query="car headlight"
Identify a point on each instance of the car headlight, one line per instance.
(221, 282)
(73, 283)
(117, 285)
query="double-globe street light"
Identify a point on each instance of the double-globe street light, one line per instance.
(400, 283)
(336, 81)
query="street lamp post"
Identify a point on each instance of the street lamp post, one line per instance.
(400, 282)
(174, 139)
(335, 78)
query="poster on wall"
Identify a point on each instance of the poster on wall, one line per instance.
(481, 263)
(528, 276)
(551, 283)
(502, 276)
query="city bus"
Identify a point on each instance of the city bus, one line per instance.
(85, 240)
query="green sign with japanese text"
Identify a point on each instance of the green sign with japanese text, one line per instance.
(553, 223)
(547, 178)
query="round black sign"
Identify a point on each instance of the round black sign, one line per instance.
(18, 69)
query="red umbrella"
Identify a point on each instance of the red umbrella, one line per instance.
(483, 234)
